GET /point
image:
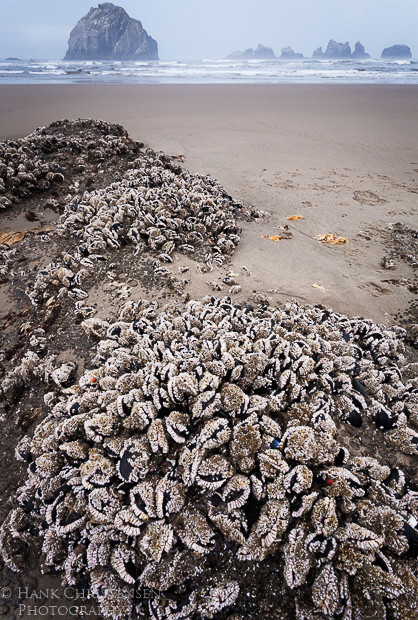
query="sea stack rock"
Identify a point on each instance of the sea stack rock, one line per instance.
(108, 33)
(359, 52)
(240, 55)
(261, 52)
(397, 51)
(318, 53)
(289, 54)
(334, 50)
(338, 50)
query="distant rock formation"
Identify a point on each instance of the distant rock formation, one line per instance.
(338, 50)
(261, 52)
(397, 51)
(318, 53)
(359, 52)
(341, 50)
(334, 50)
(240, 55)
(108, 33)
(289, 54)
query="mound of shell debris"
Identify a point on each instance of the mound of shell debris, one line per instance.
(239, 460)
(205, 445)
(51, 156)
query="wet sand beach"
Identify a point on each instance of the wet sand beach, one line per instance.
(343, 157)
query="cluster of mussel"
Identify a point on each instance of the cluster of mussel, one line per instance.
(35, 366)
(157, 207)
(45, 157)
(213, 431)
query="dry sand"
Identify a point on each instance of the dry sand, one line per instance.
(344, 157)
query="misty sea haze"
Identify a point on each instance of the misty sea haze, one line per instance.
(304, 71)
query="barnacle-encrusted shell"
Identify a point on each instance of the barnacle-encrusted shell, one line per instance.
(158, 539)
(325, 591)
(297, 558)
(217, 598)
(214, 472)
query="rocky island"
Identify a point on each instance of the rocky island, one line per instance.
(260, 52)
(341, 50)
(334, 50)
(397, 51)
(289, 54)
(108, 33)
(359, 52)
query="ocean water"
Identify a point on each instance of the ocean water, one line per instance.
(303, 71)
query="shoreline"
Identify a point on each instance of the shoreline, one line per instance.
(342, 156)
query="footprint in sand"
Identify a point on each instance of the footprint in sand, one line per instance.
(368, 198)
(288, 184)
(374, 289)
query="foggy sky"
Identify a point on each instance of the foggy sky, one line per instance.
(196, 29)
